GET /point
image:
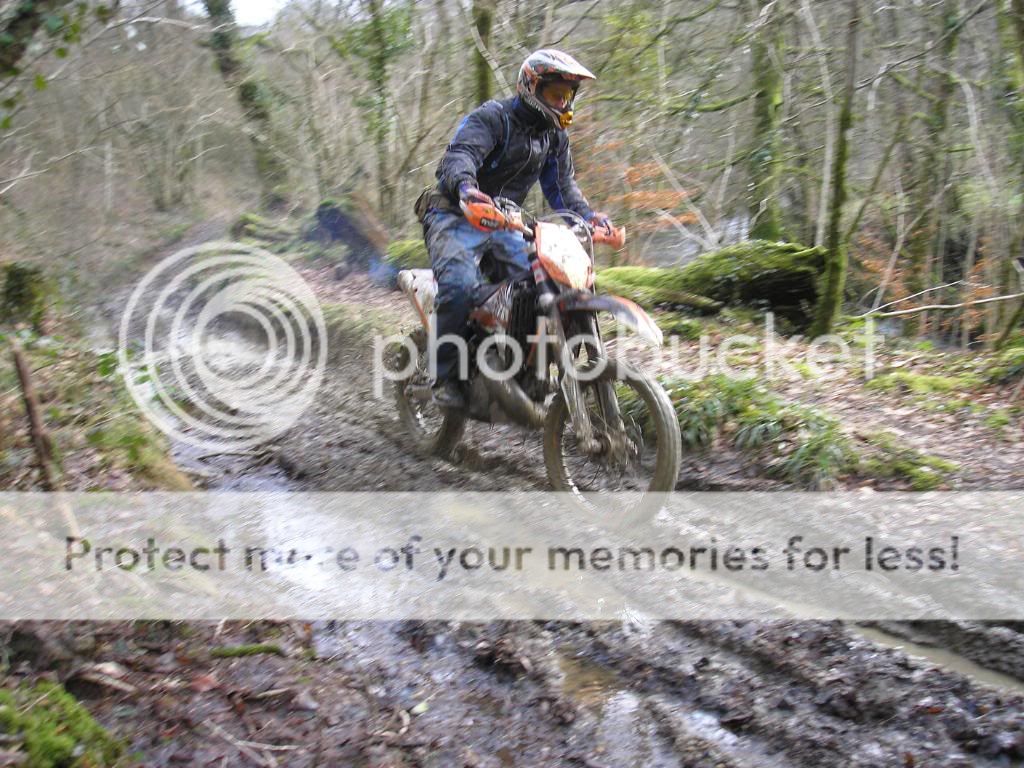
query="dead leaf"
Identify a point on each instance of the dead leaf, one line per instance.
(304, 700)
(110, 668)
(204, 683)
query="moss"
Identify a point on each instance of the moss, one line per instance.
(133, 444)
(673, 324)
(92, 418)
(998, 420)
(26, 294)
(650, 288)
(407, 254)
(259, 228)
(313, 251)
(922, 384)
(253, 649)
(1008, 365)
(55, 731)
(895, 461)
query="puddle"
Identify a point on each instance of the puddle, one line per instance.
(941, 657)
(627, 734)
(588, 684)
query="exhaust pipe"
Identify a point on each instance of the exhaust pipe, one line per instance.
(511, 397)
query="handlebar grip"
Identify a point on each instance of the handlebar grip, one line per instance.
(615, 237)
(483, 216)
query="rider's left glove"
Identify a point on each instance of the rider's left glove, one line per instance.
(601, 220)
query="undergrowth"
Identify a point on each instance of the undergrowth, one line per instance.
(895, 461)
(797, 443)
(93, 422)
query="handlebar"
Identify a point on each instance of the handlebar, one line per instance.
(613, 236)
(505, 214)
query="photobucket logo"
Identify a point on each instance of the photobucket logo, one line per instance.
(223, 346)
(736, 356)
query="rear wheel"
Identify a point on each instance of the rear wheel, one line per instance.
(432, 430)
(639, 451)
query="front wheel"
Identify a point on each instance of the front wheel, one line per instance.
(637, 450)
(432, 431)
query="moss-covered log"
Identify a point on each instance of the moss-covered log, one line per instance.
(651, 287)
(782, 277)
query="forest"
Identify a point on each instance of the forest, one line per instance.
(801, 175)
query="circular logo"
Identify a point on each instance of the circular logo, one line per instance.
(223, 346)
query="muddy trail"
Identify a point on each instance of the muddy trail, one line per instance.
(523, 694)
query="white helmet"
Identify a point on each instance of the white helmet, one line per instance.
(545, 66)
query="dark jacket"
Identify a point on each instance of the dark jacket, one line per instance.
(503, 148)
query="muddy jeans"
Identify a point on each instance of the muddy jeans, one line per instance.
(456, 247)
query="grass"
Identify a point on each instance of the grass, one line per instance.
(896, 461)
(253, 649)
(923, 384)
(1008, 366)
(54, 730)
(674, 324)
(799, 444)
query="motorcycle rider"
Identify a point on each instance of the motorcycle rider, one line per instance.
(502, 148)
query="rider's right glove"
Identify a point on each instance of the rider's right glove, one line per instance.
(470, 194)
(479, 208)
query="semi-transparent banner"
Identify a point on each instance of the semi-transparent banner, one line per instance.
(475, 556)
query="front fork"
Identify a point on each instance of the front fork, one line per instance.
(609, 439)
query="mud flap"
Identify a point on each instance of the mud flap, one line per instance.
(627, 312)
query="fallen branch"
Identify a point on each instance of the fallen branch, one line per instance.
(239, 744)
(943, 306)
(40, 437)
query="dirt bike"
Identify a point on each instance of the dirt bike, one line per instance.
(606, 425)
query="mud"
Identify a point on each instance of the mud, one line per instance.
(499, 695)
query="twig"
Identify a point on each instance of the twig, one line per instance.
(238, 744)
(944, 306)
(913, 296)
(887, 68)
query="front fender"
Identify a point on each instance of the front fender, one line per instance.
(627, 312)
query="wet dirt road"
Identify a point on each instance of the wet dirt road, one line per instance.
(787, 693)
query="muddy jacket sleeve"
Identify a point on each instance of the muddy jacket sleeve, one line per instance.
(477, 135)
(558, 181)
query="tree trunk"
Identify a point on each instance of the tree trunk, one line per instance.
(765, 157)
(254, 98)
(933, 167)
(378, 119)
(483, 18)
(831, 300)
(1011, 37)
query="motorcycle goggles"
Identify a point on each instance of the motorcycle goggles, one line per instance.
(559, 95)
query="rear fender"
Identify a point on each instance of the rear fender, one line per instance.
(625, 311)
